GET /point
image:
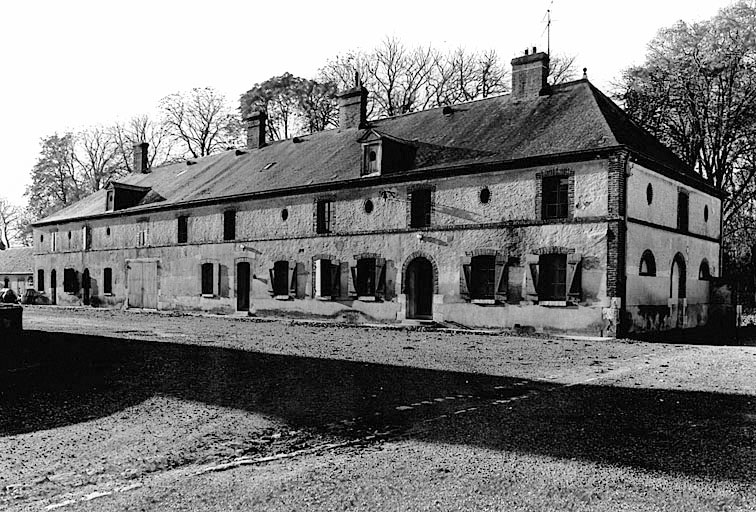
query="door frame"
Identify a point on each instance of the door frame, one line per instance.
(408, 307)
(156, 289)
(248, 285)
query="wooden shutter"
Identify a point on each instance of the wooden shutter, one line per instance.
(292, 278)
(531, 277)
(353, 281)
(335, 280)
(380, 277)
(574, 286)
(344, 280)
(271, 275)
(301, 281)
(464, 277)
(501, 277)
(390, 292)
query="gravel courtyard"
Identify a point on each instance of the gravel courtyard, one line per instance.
(113, 410)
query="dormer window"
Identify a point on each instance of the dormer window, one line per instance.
(371, 158)
(120, 196)
(383, 154)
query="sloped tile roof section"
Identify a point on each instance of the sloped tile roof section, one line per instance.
(575, 117)
(18, 260)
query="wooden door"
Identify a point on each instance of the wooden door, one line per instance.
(143, 286)
(85, 287)
(135, 284)
(53, 287)
(149, 285)
(419, 280)
(242, 286)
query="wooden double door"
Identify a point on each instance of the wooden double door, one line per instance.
(142, 280)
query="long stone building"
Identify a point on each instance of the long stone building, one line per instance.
(547, 207)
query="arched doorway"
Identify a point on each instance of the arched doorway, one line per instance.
(677, 290)
(86, 285)
(419, 289)
(53, 287)
(677, 278)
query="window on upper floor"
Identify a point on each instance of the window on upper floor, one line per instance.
(323, 214)
(110, 201)
(421, 206)
(555, 198)
(647, 264)
(54, 241)
(371, 158)
(86, 237)
(182, 228)
(682, 210)
(229, 225)
(143, 234)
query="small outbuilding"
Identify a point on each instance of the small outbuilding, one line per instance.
(16, 269)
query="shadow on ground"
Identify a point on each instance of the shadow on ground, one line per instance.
(50, 380)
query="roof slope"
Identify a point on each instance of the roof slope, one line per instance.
(574, 117)
(18, 260)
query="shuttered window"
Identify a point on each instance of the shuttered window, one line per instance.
(552, 271)
(482, 277)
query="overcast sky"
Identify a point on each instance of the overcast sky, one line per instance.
(68, 64)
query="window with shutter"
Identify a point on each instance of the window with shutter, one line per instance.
(552, 276)
(420, 208)
(280, 278)
(365, 277)
(482, 282)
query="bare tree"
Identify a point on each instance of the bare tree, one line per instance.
(139, 129)
(201, 121)
(96, 153)
(9, 216)
(561, 69)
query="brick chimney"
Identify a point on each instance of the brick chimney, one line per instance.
(529, 74)
(353, 107)
(255, 123)
(141, 160)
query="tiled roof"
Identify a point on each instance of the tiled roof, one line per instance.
(574, 117)
(18, 260)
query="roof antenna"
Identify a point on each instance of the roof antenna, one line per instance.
(548, 29)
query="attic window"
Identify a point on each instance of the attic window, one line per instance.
(110, 201)
(371, 158)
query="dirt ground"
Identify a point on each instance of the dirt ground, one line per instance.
(112, 410)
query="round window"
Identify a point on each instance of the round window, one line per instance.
(107, 231)
(706, 213)
(649, 193)
(284, 214)
(368, 206)
(372, 156)
(485, 195)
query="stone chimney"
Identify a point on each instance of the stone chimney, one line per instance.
(529, 74)
(353, 107)
(255, 123)
(141, 160)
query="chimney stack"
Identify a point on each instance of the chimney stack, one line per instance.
(529, 74)
(353, 107)
(141, 160)
(255, 124)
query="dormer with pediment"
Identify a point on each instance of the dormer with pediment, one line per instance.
(120, 196)
(384, 154)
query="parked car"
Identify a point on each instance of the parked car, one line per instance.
(32, 296)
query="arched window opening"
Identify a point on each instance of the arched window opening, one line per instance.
(704, 274)
(647, 264)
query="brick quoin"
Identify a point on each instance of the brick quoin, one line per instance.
(616, 229)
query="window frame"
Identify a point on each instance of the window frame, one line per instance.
(561, 203)
(323, 215)
(107, 281)
(182, 229)
(207, 279)
(70, 281)
(229, 225)
(40, 280)
(143, 235)
(553, 298)
(418, 219)
(683, 210)
(650, 260)
(483, 291)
